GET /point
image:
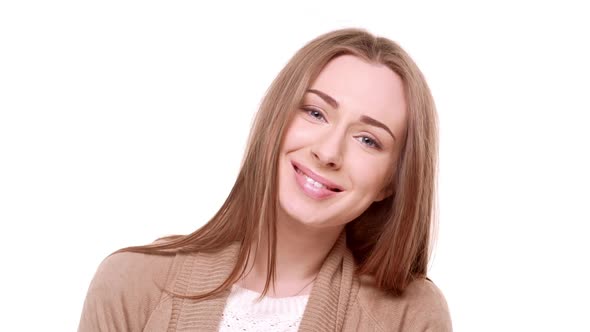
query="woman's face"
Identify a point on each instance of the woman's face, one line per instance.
(342, 144)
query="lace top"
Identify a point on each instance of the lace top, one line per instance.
(243, 313)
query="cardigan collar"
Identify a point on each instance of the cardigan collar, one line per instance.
(333, 292)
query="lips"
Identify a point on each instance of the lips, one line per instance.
(317, 178)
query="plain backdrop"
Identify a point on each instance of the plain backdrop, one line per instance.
(123, 121)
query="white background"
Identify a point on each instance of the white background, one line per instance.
(122, 121)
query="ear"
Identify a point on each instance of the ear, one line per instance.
(385, 192)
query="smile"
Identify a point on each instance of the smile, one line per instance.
(314, 185)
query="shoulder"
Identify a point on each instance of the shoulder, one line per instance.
(126, 288)
(422, 306)
(129, 271)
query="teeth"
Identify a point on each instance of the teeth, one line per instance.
(313, 182)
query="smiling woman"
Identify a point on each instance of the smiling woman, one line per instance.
(328, 223)
(337, 141)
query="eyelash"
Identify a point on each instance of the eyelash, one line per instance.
(372, 142)
(309, 110)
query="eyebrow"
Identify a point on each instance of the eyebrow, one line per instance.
(364, 118)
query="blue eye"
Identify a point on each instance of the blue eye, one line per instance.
(369, 142)
(314, 113)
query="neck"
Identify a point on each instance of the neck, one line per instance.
(300, 252)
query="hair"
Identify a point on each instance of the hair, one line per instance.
(390, 241)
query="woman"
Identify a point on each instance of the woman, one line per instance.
(328, 223)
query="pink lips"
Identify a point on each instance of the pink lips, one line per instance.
(310, 189)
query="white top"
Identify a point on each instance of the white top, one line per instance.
(243, 313)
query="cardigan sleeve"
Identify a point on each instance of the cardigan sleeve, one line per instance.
(426, 309)
(421, 308)
(125, 290)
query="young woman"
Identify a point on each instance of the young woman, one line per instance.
(328, 225)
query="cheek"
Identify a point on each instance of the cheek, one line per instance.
(296, 135)
(370, 176)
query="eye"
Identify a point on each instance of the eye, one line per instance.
(314, 113)
(368, 141)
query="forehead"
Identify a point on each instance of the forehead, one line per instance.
(365, 88)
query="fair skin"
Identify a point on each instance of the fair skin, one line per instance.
(335, 159)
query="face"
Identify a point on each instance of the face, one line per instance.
(342, 144)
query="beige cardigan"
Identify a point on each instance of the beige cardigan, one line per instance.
(125, 296)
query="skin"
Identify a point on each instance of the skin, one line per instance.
(331, 136)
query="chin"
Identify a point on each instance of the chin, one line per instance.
(292, 211)
(304, 215)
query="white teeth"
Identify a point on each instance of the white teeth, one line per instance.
(313, 182)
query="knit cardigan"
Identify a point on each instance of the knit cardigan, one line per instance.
(126, 294)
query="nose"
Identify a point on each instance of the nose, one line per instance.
(327, 150)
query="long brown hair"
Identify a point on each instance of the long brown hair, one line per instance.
(390, 240)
